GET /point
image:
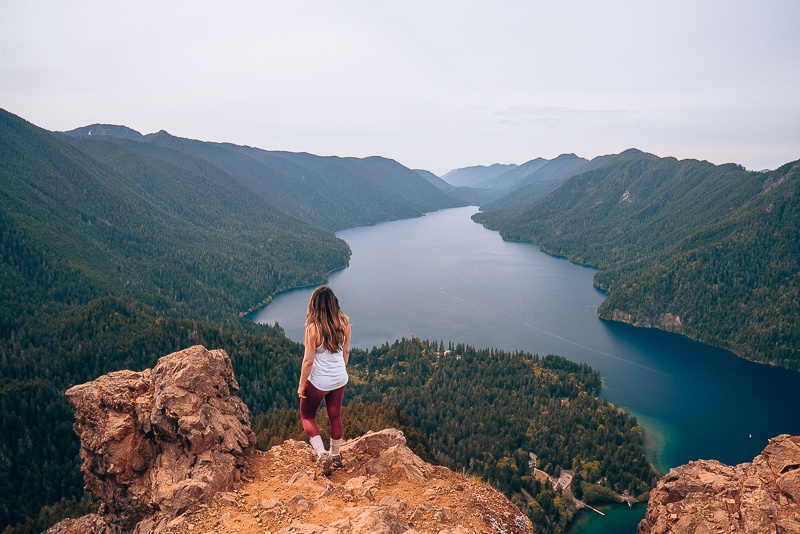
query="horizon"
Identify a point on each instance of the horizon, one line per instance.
(400, 162)
(488, 165)
(434, 87)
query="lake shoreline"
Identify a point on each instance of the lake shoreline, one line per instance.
(611, 319)
(445, 277)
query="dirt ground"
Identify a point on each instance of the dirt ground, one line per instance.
(378, 490)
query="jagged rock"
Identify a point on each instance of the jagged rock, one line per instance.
(157, 442)
(386, 452)
(377, 520)
(88, 524)
(708, 496)
(383, 488)
(391, 500)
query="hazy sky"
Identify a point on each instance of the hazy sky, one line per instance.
(433, 84)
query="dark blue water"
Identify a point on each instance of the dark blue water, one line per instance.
(443, 277)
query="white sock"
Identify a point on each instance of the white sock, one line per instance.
(316, 442)
(335, 444)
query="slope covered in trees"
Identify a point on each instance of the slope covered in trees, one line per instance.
(115, 251)
(38, 448)
(511, 187)
(87, 224)
(328, 192)
(109, 260)
(709, 251)
(478, 176)
(527, 188)
(485, 411)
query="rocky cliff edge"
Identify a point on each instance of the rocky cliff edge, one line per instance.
(170, 450)
(707, 496)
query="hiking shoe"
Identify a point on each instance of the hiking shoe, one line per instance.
(325, 464)
(336, 461)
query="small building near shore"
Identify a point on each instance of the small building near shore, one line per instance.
(533, 463)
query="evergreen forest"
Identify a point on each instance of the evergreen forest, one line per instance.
(708, 251)
(484, 412)
(117, 248)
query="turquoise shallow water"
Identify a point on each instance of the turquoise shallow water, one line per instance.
(617, 519)
(444, 277)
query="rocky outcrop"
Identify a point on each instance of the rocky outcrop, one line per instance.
(665, 321)
(157, 442)
(383, 488)
(708, 496)
(170, 450)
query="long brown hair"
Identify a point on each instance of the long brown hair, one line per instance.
(325, 314)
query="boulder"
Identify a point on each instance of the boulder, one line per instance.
(157, 442)
(707, 496)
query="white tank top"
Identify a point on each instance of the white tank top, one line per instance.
(328, 372)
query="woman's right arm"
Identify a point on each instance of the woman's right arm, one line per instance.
(309, 339)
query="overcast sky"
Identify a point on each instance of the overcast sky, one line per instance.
(433, 84)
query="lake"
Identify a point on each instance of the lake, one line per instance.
(444, 277)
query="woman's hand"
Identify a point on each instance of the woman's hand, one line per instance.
(301, 392)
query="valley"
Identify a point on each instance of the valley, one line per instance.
(119, 247)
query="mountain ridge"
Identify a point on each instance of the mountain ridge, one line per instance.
(476, 176)
(310, 188)
(90, 211)
(516, 176)
(660, 230)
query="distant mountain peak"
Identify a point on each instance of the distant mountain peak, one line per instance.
(635, 152)
(160, 133)
(476, 176)
(111, 130)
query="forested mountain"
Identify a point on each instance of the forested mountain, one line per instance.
(328, 192)
(500, 187)
(486, 410)
(117, 249)
(533, 171)
(109, 262)
(479, 176)
(106, 217)
(467, 195)
(709, 251)
(433, 179)
(527, 188)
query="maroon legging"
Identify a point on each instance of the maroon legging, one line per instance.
(310, 405)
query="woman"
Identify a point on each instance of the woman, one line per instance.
(324, 372)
